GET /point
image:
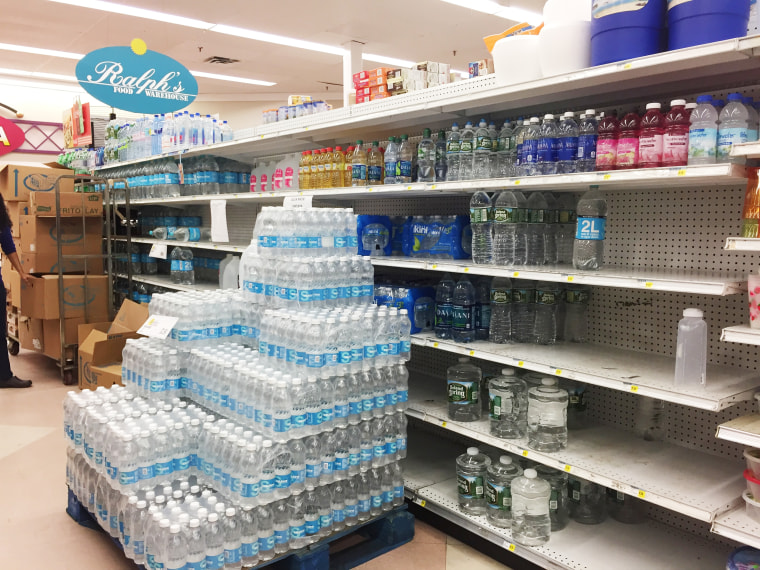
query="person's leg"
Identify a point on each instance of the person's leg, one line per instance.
(7, 379)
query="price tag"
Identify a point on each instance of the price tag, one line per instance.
(568, 468)
(634, 389)
(521, 363)
(297, 202)
(517, 182)
(648, 284)
(435, 345)
(472, 353)
(516, 274)
(642, 494)
(422, 503)
(510, 546)
(434, 186)
(681, 172)
(306, 128)
(558, 372)
(408, 187)
(435, 266)
(466, 269)
(369, 189)
(570, 278)
(158, 326)
(158, 250)
(443, 424)
(261, 137)
(607, 177)
(525, 453)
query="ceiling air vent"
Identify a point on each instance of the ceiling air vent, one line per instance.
(221, 60)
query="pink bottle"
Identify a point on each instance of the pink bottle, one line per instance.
(628, 144)
(607, 143)
(651, 137)
(676, 139)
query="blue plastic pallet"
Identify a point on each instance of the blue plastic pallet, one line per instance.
(378, 536)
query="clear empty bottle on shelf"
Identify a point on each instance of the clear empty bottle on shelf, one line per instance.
(547, 312)
(691, 350)
(576, 313)
(523, 310)
(650, 421)
(471, 479)
(462, 385)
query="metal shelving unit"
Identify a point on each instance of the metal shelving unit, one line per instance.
(742, 244)
(166, 282)
(737, 525)
(744, 430)
(235, 248)
(741, 333)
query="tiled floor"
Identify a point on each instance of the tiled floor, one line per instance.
(35, 531)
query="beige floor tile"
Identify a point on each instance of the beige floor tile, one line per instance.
(13, 438)
(462, 557)
(414, 555)
(424, 533)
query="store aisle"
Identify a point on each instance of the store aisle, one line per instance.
(36, 531)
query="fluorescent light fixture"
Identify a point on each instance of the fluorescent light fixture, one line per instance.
(37, 74)
(138, 13)
(41, 51)
(275, 39)
(41, 85)
(232, 78)
(388, 60)
(495, 9)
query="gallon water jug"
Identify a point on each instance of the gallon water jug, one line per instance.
(695, 22)
(691, 350)
(625, 29)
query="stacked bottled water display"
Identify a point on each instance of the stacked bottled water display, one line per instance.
(144, 468)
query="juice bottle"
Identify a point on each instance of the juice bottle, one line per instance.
(348, 172)
(329, 167)
(676, 140)
(607, 143)
(628, 143)
(339, 167)
(651, 137)
(374, 165)
(305, 171)
(382, 158)
(359, 165)
(314, 170)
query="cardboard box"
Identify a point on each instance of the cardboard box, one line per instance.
(480, 67)
(101, 345)
(15, 211)
(18, 181)
(13, 283)
(89, 204)
(48, 263)
(80, 294)
(394, 73)
(362, 99)
(31, 333)
(375, 81)
(51, 335)
(38, 235)
(380, 90)
(377, 96)
(365, 92)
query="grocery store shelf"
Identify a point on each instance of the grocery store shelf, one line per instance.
(742, 334)
(578, 547)
(747, 150)
(683, 480)
(737, 525)
(166, 282)
(704, 67)
(703, 283)
(742, 244)
(624, 370)
(744, 430)
(191, 244)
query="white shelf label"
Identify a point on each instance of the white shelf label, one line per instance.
(158, 250)
(158, 326)
(297, 202)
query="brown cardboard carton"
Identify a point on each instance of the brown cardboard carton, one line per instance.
(101, 344)
(48, 263)
(13, 283)
(31, 333)
(88, 204)
(51, 334)
(15, 211)
(39, 235)
(82, 296)
(18, 181)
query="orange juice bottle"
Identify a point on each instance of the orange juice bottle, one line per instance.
(329, 167)
(339, 167)
(304, 171)
(314, 159)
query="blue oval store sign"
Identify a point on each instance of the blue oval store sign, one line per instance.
(137, 79)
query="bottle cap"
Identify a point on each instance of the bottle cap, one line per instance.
(691, 106)
(695, 313)
(507, 372)
(530, 474)
(164, 523)
(230, 512)
(464, 359)
(549, 381)
(534, 120)
(472, 451)
(505, 460)
(548, 117)
(735, 97)
(678, 102)
(195, 523)
(654, 106)
(590, 112)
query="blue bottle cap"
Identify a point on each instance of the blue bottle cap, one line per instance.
(735, 97)
(704, 99)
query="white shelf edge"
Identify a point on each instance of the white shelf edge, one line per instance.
(747, 150)
(735, 431)
(662, 500)
(606, 277)
(166, 283)
(736, 525)
(742, 244)
(702, 401)
(742, 334)
(190, 244)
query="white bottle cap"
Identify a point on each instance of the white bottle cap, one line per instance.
(220, 507)
(472, 451)
(549, 381)
(164, 523)
(230, 512)
(213, 517)
(534, 120)
(507, 372)
(505, 460)
(590, 112)
(678, 102)
(212, 500)
(195, 523)
(548, 117)
(530, 474)
(174, 529)
(691, 105)
(654, 106)
(695, 313)
(267, 443)
(569, 115)
(464, 359)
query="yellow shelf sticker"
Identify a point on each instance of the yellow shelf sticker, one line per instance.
(435, 266)
(443, 424)
(369, 189)
(682, 172)
(435, 345)
(525, 453)
(648, 284)
(433, 187)
(466, 269)
(568, 468)
(634, 388)
(472, 353)
(570, 278)
(558, 372)
(521, 363)
(515, 274)
(607, 177)
(517, 182)
(423, 502)
(628, 66)
(642, 494)
(511, 547)
(408, 187)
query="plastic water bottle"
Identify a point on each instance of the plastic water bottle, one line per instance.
(547, 307)
(531, 139)
(676, 139)
(483, 309)
(441, 158)
(504, 152)
(249, 537)
(481, 217)
(358, 165)
(734, 126)
(591, 211)
(547, 417)
(453, 146)
(587, 140)
(518, 136)
(466, 150)
(576, 313)
(650, 419)
(567, 155)
(523, 310)
(500, 330)
(266, 533)
(551, 228)
(463, 386)
(691, 350)
(507, 396)
(548, 146)
(749, 104)
(463, 311)
(471, 478)
(444, 307)
(232, 541)
(499, 479)
(536, 229)
(565, 235)
(483, 147)
(426, 158)
(213, 534)
(405, 160)
(531, 524)
(493, 133)
(703, 132)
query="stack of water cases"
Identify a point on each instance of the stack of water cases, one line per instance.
(270, 418)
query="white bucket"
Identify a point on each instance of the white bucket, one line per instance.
(564, 48)
(515, 60)
(753, 507)
(558, 12)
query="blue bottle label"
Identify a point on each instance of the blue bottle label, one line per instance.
(354, 408)
(282, 481)
(297, 476)
(359, 172)
(375, 174)
(530, 151)
(590, 228)
(313, 470)
(366, 454)
(352, 510)
(339, 515)
(232, 556)
(313, 419)
(377, 501)
(364, 505)
(568, 149)
(325, 521)
(341, 410)
(250, 549)
(587, 147)
(388, 496)
(404, 168)
(249, 490)
(354, 459)
(312, 527)
(298, 531)
(266, 543)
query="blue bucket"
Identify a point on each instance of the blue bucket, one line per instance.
(626, 29)
(695, 22)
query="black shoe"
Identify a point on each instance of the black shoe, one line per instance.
(15, 382)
